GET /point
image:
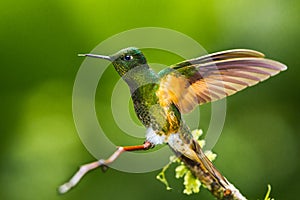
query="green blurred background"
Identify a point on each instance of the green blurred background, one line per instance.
(40, 148)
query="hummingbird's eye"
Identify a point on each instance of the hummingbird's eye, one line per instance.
(128, 57)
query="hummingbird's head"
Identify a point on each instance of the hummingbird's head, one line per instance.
(127, 59)
(124, 60)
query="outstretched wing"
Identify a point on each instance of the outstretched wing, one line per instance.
(213, 77)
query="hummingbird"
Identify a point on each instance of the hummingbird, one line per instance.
(161, 98)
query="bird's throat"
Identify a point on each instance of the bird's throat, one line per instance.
(140, 76)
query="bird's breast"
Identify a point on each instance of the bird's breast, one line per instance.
(160, 119)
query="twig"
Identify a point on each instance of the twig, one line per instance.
(93, 165)
(223, 191)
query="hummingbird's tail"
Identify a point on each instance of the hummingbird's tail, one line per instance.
(191, 154)
(195, 159)
(204, 165)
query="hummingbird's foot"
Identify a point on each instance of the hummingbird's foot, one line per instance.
(149, 145)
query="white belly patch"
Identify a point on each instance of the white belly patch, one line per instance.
(154, 138)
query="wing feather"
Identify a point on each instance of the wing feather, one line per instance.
(215, 76)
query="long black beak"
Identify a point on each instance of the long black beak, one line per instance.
(96, 56)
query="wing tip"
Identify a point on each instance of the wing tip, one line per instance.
(283, 67)
(277, 65)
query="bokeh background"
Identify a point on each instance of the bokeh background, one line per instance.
(39, 146)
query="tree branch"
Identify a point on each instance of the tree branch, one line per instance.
(100, 163)
(220, 191)
(224, 191)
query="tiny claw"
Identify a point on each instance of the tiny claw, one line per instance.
(148, 145)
